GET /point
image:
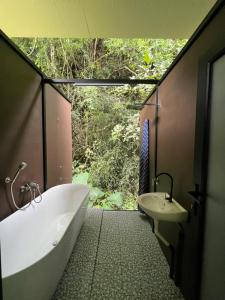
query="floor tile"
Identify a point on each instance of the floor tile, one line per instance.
(117, 257)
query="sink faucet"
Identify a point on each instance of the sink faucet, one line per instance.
(170, 197)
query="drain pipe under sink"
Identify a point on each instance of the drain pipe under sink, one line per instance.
(167, 244)
(156, 231)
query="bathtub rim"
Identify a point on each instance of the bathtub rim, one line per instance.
(45, 192)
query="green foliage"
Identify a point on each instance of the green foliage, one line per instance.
(95, 194)
(81, 178)
(105, 132)
(98, 198)
(116, 199)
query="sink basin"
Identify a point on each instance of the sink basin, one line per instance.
(156, 206)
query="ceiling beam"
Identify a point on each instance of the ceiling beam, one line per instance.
(101, 82)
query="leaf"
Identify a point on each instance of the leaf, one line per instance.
(81, 178)
(106, 205)
(116, 199)
(95, 193)
(147, 58)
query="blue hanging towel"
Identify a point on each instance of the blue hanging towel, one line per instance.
(144, 177)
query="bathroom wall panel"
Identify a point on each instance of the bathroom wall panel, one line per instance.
(176, 136)
(176, 126)
(20, 125)
(176, 142)
(177, 115)
(58, 138)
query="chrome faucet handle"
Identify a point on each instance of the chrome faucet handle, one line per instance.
(24, 188)
(33, 185)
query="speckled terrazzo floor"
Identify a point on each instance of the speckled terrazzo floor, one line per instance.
(116, 257)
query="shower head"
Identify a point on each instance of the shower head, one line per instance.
(22, 166)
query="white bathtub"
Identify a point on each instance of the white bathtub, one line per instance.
(36, 243)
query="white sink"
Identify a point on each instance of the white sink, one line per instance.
(156, 206)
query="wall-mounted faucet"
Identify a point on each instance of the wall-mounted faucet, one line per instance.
(31, 187)
(170, 197)
(35, 187)
(8, 180)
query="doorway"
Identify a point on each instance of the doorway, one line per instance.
(213, 267)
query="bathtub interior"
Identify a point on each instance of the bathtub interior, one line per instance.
(27, 236)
